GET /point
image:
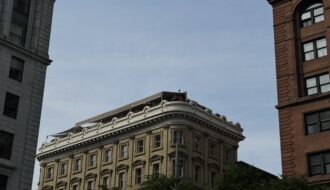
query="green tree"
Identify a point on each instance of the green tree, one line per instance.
(162, 182)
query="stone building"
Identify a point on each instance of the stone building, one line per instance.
(301, 29)
(24, 40)
(119, 148)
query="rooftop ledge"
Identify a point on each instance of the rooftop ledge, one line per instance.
(97, 130)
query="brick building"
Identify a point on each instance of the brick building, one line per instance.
(119, 148)
(301, 30)
(24, 40)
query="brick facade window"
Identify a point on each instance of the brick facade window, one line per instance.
(16, 69)
(319, 163)
(312, 14)
(317, 84)
(317, 122)
(11, 105)
(6, 143)
(315, 49)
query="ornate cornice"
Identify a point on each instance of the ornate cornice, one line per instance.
(166, 113)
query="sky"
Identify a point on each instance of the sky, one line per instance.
(108, 53)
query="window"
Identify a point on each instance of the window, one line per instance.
(157, 141)
(140, 146)
(90, 185)
(92, 160)
(6, 143)
(213, 178)
(105, 182)
(180, 168)
(11, 105)
(197, 174)
(75, 187)
(319, 163)
(63, 168)
(178, 137)
(3, 181)
(212, 149)
(77, 165)
(19, 22)
(317, 84)
(124, 151)
(315, 49)
(155, 169)
(138, 176)
(107, 155)
(196, 143)
(16, 69)
(317, 122)
(312, 14)
(227, 156)
(121, 180)
(49, 173)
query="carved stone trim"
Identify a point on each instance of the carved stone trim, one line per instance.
(214, 166)
(198, 160)
(61, 184)
(180, 154)
(91, 176)
(156, 158)
(76, 180)
(106, 171)
(138, 162)
(122, 167)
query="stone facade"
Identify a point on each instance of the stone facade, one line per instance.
(24, 37)
(121, 147)
(302, 70)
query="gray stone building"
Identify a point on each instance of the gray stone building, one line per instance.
(119, 148)
(24, 41)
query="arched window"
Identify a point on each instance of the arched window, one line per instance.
(312, 14)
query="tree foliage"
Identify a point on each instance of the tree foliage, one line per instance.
(162, 182)
(246, 178)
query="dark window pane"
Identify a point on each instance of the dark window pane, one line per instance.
(312, 129)
(316, 170)
(325, 126)
(11, 105)
(16, 69)
(327, 157)
(325, 115)
(327, 168)
(315, 159)
(19, 22)
(312, 118)
(6, 143)
(3, 182)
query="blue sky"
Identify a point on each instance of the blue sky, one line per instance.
(108, 53)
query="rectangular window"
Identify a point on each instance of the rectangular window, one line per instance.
(75, 187)
(49, 173)
(90, 185)
(197, 174)
(157, 141)
(3, 181)
(315, 49)
(138, 176)
(107, 155)
(178, 137)
(63, 168)
(155, 169)
(317, 84)
(317, 122)
(212, 149)
(319, 164)
(124, 151)
(16, 69)
(6, 144)
(105, 182)
(77, 165)
(19, 22)
(92, 160)
(213, 178)
(196, 143)
(180, 168)
(11, 105)
(227, 156)
(140, 146)
(121, 180)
